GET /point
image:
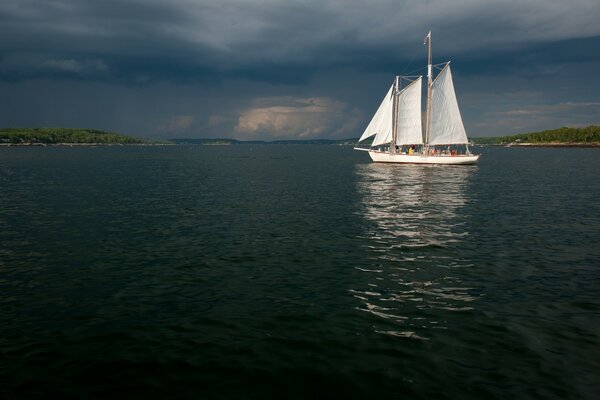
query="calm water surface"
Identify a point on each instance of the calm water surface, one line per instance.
(302, 271)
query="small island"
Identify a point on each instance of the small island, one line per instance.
(62, 136)
(562, 137)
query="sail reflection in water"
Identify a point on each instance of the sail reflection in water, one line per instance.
(413, 236)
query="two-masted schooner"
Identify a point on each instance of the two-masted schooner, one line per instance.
(397, 125)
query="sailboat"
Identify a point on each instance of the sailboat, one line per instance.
(397, 125)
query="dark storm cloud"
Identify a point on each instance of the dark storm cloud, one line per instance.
(137, 41)
(132, 40)
(337, 53)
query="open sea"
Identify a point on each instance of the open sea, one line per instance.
(298, 271)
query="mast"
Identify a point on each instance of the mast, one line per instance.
(395, 117)
(429, 80)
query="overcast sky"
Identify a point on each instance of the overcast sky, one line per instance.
(265, 69)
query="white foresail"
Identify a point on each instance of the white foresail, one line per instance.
(445, 126)
(409, 114)
(381, 124)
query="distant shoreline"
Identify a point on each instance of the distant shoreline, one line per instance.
(594, 144)
(561, 137)
(36, 144)
(555, 145)
(588, 137)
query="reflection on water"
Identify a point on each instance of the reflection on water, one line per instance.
(413, 233)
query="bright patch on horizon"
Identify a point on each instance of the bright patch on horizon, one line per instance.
(302, 118)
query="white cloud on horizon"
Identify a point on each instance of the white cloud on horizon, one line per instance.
(300, 118)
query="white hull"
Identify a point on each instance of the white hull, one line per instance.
(379, 156)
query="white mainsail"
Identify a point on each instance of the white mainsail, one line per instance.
(409, 114)
(381, 124)
(445, 126)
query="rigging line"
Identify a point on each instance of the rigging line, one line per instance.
(416, 70)
(409, 64)
(410, 78)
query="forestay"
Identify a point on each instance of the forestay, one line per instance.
(445, 126)
(409, 114)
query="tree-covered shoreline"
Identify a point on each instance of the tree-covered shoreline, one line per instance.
(563, 136)
(49, 136)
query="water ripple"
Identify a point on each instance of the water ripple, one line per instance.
(413, 235)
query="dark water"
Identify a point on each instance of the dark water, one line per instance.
(298, 272)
